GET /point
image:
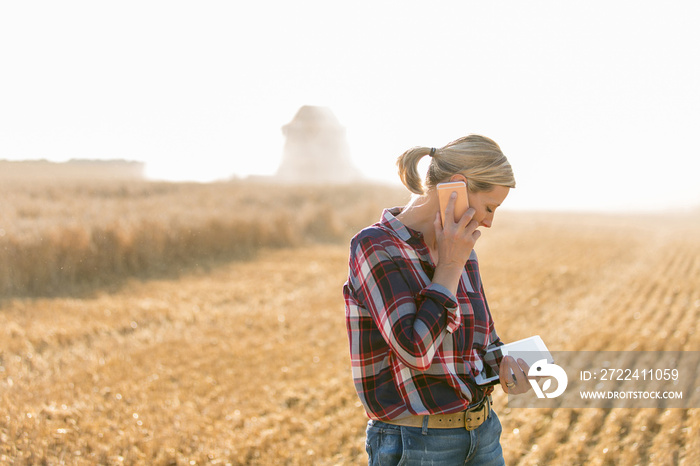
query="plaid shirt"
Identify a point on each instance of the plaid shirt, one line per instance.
(414, 346)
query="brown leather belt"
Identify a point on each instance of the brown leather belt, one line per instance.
(469, 420)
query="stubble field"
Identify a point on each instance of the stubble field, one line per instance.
(245, 360)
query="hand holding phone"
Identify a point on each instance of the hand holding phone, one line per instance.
(461, 203)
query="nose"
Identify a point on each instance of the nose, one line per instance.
(486, 222)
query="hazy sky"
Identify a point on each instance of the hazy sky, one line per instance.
(596, 104)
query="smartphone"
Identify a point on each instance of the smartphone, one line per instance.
(461, 203)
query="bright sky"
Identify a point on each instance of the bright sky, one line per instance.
(596, 103)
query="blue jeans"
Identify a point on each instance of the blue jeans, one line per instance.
(388, 444)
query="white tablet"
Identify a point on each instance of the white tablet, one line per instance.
(530, 350)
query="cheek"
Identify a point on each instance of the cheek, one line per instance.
(480, 214)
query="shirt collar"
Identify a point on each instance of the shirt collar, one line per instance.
(390, 222)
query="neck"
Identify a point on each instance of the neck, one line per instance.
(419, 215)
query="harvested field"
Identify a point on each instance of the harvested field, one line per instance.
(246, 361)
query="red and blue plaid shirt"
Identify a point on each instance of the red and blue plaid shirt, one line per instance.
(414, 346)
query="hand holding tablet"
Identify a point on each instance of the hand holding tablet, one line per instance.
(529, 350)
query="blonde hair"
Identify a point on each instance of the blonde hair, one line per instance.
(476, 157)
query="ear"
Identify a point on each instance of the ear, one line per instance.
(459, 177)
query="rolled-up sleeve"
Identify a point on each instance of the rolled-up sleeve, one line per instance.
(447, 300)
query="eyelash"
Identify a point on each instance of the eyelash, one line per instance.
(488, 209)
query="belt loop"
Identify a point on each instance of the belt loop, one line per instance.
(425, 425)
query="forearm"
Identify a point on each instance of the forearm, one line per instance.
(412, 315)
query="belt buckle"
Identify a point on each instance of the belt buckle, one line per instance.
(473, 419)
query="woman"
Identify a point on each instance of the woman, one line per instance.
(417, 318)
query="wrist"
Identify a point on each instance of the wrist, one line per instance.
(452, 265)
(448, 275)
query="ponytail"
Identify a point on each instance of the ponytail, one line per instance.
(408, 168)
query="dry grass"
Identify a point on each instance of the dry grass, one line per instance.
(67, 236)
(246, 362)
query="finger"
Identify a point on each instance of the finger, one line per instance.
(504, 369)
(476, 235)
(450, 210)
(518, 376)
(506, 385)
(524, 366)
(526, 370)
(438, 224)
(466, 220)
(505, 374)
(516, 372)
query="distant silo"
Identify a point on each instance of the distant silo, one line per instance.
(316, 149)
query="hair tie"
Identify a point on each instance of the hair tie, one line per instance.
(432, 152)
